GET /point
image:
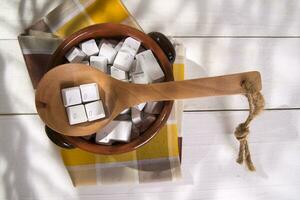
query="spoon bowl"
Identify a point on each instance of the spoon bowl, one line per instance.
(49, 102)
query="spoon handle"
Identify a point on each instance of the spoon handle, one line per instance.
(202, 87)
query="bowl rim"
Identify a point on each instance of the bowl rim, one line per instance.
(117, 30)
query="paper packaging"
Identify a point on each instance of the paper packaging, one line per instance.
(100, 62)
(71, 96)
(76, 114)
(150, 66)
(75, 55)
(98, 8)
(108, 52)
(89, 92)
(94, 110)
(89, 47)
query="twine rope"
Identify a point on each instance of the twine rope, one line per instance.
(256, 106)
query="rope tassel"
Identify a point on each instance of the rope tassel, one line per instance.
(256, 105)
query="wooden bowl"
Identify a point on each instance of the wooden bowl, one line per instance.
(117, 31)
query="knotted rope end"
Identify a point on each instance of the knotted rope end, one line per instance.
(256, 105)
(241, 133)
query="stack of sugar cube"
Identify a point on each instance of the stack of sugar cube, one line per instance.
(127, 61)
(83, 103)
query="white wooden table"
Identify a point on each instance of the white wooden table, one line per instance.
(221, 37)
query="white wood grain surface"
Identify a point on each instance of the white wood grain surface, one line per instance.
(221, 37)
(29, 161)
(276, 58)
(179, 17)
(218, 17)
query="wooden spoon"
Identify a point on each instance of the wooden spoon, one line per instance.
(118, 95)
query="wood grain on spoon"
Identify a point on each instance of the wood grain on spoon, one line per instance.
(118, 95)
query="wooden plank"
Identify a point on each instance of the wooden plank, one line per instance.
(227, 194)
(218, 18)
(180, 17)
(261, 193)
(270, 127)
(276, 58)
(208, 164)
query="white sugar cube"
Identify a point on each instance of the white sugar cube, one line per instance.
(94, 110)
(123, 61)
(136, 116)
(89, 47)
(71, 96)
(104, 41)
(116, 131)
(135, 132)
(76, 114)
(89, 92)
(139, 78)
(126, 111)
(141, 106)
(118, 74)
(100, 62)
(153, 107)
(126, 80)
(75, 55)
(121, 132)
(85, 62)
(146, 123)
(135, 68)
(131, 46)
(119, 45)
(132, 67)
(111, 43)
(150, 66)
(125, 117)
(141, 49)
(103, 138)
(108, 52)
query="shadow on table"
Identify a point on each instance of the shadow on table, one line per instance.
(25, 156)
(13, 149)
(23, 153)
